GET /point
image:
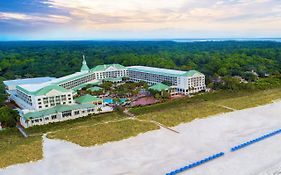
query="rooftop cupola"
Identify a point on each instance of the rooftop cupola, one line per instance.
(84, 67)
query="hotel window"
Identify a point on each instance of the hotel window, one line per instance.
(63, 97)
(66, 113)
(54, 117)
(45, 100)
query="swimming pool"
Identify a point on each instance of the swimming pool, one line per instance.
(110, 100)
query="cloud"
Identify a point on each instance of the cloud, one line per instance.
(161, 11)
(186, 18)
(33, 18)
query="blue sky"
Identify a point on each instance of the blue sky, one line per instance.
(138, 19)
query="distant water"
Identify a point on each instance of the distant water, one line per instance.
(226, 39)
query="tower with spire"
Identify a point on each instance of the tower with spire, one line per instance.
(84, 67)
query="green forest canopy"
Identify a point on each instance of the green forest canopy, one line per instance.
(50, 58)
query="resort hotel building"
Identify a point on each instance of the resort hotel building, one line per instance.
(47, 99)
(182, 82)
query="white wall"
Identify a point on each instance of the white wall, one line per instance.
(52, 93)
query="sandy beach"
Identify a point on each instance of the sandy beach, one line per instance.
(159, 152)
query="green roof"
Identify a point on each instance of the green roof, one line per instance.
(160, 87)
(95, 88)
(163, 71)
(106, 66)
(84, 68)
(87, 99)
(56, 109)
(191, 73)
(79, 87)
(70, 77)
(84, 85)
(84, 65)
(44, 90)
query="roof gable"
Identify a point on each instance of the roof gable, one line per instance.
(48, 89)
(107, 67)
(44, 90)
(192, 73)
(160, 87)
(87, 99)
(95, 88)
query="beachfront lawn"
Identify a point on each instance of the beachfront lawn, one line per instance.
(185, 110)
(183, 113)
(103, 133)
(80, 122)
(15, 149)
(252, 100)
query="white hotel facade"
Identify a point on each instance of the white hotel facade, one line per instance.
(183, 82)
(46, 99)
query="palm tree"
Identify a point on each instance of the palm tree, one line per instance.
(99, 110)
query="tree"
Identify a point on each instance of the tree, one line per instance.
(116, 101)
(165, 95)
(8, 117)
(106, 85)
(125, 78)
(250, 76)
(222, 71)
(99, 110)
(231, 83)
(158, 96)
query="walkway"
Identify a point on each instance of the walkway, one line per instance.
(131, 115)
(223, 106)
(22, 131)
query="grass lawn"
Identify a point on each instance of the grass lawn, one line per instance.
(84, 121)
(252, 100)
(185, 110)
(183, 113)
(108, 132)
(90, 131)
(15, 149)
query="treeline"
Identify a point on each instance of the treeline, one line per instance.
(235, 84)
(30, 59)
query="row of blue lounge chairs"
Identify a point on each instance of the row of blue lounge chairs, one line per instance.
(195, 164)
(215, 156)
(255, 140)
